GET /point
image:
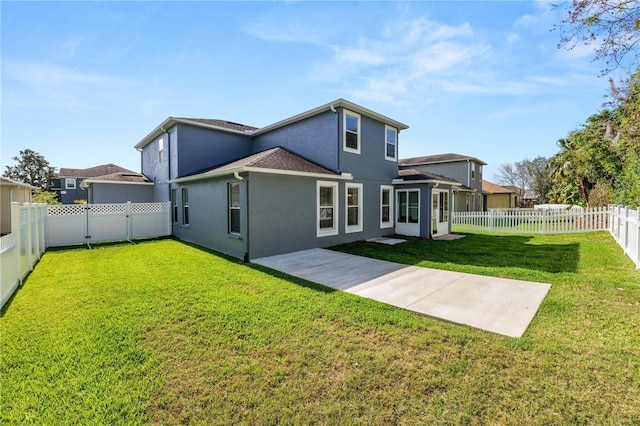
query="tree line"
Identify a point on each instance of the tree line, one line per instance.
(598, 163)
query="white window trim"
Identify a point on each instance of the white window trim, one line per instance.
(334, 230)
(185, 207)
(231, 207)
(391, 206)
(395, 157)
(398, 206)
(344, 131)
(358, 227)
(70, 183)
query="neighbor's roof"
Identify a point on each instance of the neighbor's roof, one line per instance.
(10, 182)
(91, 172)
(119, 178)
(492, 188)
(413, 175)
(229, 126)
(435, 159)
(275, 160)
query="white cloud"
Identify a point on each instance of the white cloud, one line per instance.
(513, 38)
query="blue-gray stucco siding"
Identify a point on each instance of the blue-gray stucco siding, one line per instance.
(313, 138)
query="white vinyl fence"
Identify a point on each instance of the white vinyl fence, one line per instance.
(625, 229)
(22, 248)
(35, 227)
(92, 223)
(622, 222)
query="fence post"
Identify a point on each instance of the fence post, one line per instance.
(638, 240)
(128, 219)
(29, 237)
(544, 220)
(168, 221)
(15, 230)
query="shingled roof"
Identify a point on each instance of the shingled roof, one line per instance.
(492, 188)
(274, 159)
(440, 158)
(279, 159)
(92, 172)
(130, 177)
(221, 123)
(415, 175)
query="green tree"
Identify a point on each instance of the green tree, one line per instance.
(32, 168)
(587, 156)
(612, 26)
(45, 197)
(527, 175)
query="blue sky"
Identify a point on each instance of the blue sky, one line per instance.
(83, 82)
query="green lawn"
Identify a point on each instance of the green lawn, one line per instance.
(162, 332)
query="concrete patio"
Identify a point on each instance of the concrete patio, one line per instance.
(498, 305)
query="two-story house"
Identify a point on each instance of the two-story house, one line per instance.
(107, 183)
(324, 177)
(465, 170)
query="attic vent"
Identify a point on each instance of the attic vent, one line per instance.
(130, 175)
(235, 124)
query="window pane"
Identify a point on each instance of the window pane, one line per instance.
(234, 199)
(352, 123)
(234, 219)
(402, 207)
(326, 218)
(352, 196)
(413, 198)
(391, 151)
(326, 196)
(352, 216)
(391, 136)
(352, 140)
(385, 214)
(413, 214)
(385, 197)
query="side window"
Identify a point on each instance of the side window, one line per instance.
(391, 143)
(473, 170)
(185, 206)
(351, 132)
(386, 203)
(353, 203)
(234, 208)
(70, 183)
(174, 205)
(327, 204)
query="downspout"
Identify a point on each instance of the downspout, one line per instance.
(245, 258)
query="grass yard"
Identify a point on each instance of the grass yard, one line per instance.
(163, 332)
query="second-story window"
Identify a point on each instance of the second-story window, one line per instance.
(391, 143)
(473, 170)
(70, 183)
(351, 132)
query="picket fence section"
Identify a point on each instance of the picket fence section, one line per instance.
(531, 221)
(625, 229)
(93, 223)
(622, 222)
(22, 248)
(34, 227)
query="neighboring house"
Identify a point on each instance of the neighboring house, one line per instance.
(500, 197)
(324, 177)
(118, 188)
(11, 191)
(530, 199)
(68, 182)
(465, 170)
